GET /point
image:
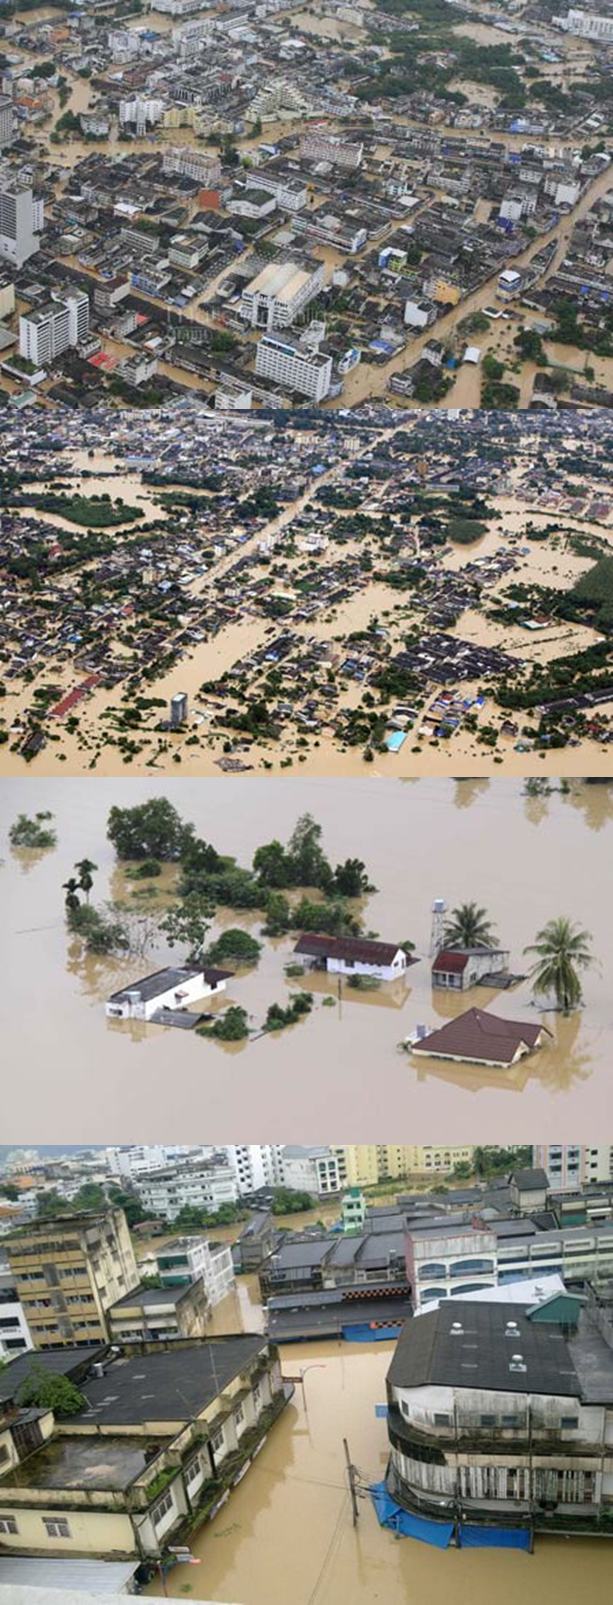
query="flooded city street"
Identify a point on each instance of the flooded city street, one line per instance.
(286, 1532)
(526, 859)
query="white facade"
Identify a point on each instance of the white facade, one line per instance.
(254, 1166)
(14, 1330)
(416, 315)
(205, 1187)
(168, 989)
(6, 120)
(278, 293)
(587, 25)
(563, 1164)
(441, 1264)
(183, 159)
(21, 222)
(293, 367)
(143, 113)
(45, 334)
(312, 1170)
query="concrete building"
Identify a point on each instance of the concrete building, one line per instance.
(6, 121)
(159, 1314)
(569, 1166)
(188, 162)
(256, 1241)
(317, 146)
(126, 1476)
(21, 221)
(68, 1272)
(293, 367)
(54, 328)
(363, 1165)
(14, 1331)
(204, 1186)
(255, 1165)
(444, 1258)
(459, 969)
(312, 1170)
(587, 25)
(279, 293)
(502, 1415)
(168, 989)
(179, 1261)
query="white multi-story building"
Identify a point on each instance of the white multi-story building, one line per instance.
(586, 25)
(255, 1165)
(54, 328)
(312, 1170)
(21, 221)
(199, 1186)
(293, 367)
(317, 146)
(443, 1260)
(14, 1331)
(279, 293)
(142, 1158)
(190, 163)
(184, 1260)
(143, 113)
(563, 1164)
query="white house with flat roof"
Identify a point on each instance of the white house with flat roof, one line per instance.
(278, 293)
(171, 988)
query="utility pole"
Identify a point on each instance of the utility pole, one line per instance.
(352, 1475)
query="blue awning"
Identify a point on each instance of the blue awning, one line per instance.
(389, 1514)
(494, 1538)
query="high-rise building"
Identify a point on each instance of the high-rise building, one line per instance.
(278, 293)
(255, 1165)
(572, 1165)
(21, 220)
(294, 367)
(6, 121)
(54, 328)
(68, 1271)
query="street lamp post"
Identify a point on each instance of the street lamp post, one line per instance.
(303, 1371)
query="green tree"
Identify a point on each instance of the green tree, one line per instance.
(71, 888)
(131, 1205)
(350, 878)
(235, 944)
(309, 865)
(45, 1390)
(51, 1203)
(187, 923)
(561, 950)
(152, 829)
(271, 865)
(86, 868)
(469, 926)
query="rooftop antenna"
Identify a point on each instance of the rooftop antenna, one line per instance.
(437, 929)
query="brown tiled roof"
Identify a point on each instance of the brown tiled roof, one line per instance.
(352, 948)
(450, 962)
(481, 1037)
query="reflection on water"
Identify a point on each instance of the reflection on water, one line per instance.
(524, 859)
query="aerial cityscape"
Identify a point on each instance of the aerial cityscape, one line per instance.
(424, 595)
(408, 1347)
(306, 801)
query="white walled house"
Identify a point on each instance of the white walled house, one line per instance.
(503, 1414)
(170, 988)
(349, 955)
(200, 1186)
(458, 968)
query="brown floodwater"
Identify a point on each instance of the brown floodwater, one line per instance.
(286, 1532)
(77, 1077)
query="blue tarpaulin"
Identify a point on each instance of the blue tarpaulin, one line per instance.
(389, 1514)
(494, 1538)
(360, 1333)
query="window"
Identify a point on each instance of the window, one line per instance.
(193, 1469)
(569, 1423)
(441, 1419)
(239, 1415)
(218, 1441)
(56, 1527)
(162, 1507)
(488, 1421)
(257, 1395)
(8, 1524)
(510, 1421)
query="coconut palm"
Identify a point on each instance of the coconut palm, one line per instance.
(469, 926)
(71, 888)
(86, 869)
(562, 950)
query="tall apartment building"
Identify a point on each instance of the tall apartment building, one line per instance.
(255, 1165)
(314, 1170)
(140, 1158)
(279, 293)
(317, 146)
(183, 1260)
(294, 367)
(54, 328)
(6, 121)
(363, 1165)
(568, 1166)
(201, 1186)
(68, 1271)
(21, 221)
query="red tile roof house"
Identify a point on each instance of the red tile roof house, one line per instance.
(459, 968)
(352, 955)
(478, 1037)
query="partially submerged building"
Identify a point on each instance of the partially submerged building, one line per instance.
(352, 955)
(170, 989)
(478, 1037)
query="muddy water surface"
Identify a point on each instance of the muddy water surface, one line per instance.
(341, 1071)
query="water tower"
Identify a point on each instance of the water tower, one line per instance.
(437, 928)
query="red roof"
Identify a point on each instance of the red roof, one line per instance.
(450, 961)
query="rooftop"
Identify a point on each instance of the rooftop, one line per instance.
(486, 1346)
(174, 1384)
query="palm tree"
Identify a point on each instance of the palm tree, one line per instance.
(469, 926)
(86, 869)
(71, 888)
(562, 949)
